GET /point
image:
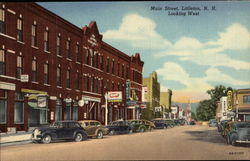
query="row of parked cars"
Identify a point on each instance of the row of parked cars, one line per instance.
(82, 130)
(234, 132)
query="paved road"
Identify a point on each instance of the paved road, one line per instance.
(182, 143)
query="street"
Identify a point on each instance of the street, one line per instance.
(182, 142)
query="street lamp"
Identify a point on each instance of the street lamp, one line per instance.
(106, 108)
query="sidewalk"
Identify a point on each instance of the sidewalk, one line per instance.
(16, 137)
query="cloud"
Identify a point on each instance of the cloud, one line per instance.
(139, 31)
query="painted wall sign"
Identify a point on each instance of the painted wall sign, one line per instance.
(115, 96)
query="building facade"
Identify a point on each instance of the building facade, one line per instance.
(52, 70)
(153, 96)
(241, 104)
(165, 102)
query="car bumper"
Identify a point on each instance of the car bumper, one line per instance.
(243, 141)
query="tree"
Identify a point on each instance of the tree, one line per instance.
(206, 109)
(193, 116)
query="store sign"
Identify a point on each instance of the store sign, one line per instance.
(115, 96)
(230, 100)
(42, 101)
(158, 109)
(143, 106)
(24, 78)
(128, 84)
(144, 94)
(131, 103)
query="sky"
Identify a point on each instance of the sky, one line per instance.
(190, 53)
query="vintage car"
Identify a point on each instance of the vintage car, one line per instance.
(177, 122)
(160, 123)
(170, 123)
(119, 127)
(141, 125)
(192, 122)
(239, 133)
(212, 123)
(59, 130)
(226, 128)
(183, 122)
(220, 125)
(94, 128)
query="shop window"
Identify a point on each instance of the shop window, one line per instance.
(46, 40)
(67, 112)
(19, 67)
(246, 99)
(19, 29)
(46, 73)
(58, 45)
(58, 77)
(68, 49)
(3, 106)
(2, 62)
(43, 116)
(19, 108)
(58, 115)
(34, 70)
(68, 79)
(33, 35)
(75, 113)
(2, 21)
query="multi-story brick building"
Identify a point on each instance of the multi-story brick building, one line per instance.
(48, 67)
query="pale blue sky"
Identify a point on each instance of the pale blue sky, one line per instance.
(190, 53)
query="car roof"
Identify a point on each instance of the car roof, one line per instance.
(66, 121)
(88, 121)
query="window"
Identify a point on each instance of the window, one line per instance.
(107, 85)
(113, 67)
(34, 70)
(101, 85)
(3, 106)
(91, 57)
(246, 99)
(46, 40)
(87, 83)
(46, 73)
(58, 45)
(19, 29)
(101, 62)
(78, 55)
(107, 68)
(33, 36)
(97, 60)
(58, 115)
(19, 67)
(118, 69)
(2, 62)
(68, 79)
(75, 113)
(58, 76)
(113, 86)
(67, 112)
(96, 86)
(68, 49)
(127, 73)
(77, 80)
(43, 116)
(87, 57)
(91, 84)
(123, 71)
(19, 108)
(2, 21)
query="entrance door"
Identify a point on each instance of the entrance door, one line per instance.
(34, 117)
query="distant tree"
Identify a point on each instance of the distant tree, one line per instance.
(193, 115)
(206, 109)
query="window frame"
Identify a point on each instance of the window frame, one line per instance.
(19, 69)
(46, 40)
(20, 29)
(2, 62)
(2, 21)
(46, 73)
(34, 35)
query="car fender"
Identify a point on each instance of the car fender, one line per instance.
(97, 130)
(80, 131)
(52, 134)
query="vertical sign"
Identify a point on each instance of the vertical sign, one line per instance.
(127, 89)
(144, 94)
(230, 100)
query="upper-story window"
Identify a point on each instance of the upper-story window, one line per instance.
(101, 62)
(87, 84)
(92, 82)
(87, 56)
(58, 45)
(113, 86)
(97, 60)
(46, 40)
(78, 55)
(46, 73)
(19, 29)
(2, 62)
(58, 76)
(113, 67)
(68, 78)
(96, 85)
(246, 99)
(107, 85)
(33, 35)
(118, 69)
(34, 70)
(123, 76)
(68, 49)
(107, 66)
(101, 86)
(2, 20)
(127, 72)
(19, 67)
(77, 80)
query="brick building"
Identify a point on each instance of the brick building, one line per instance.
(52, 70)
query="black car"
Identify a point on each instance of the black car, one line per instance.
(59, 130)
(160, 123)
(120, 127)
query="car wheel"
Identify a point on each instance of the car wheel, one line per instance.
(112, 132)
(46, 139)
(78, 137)
(99, 135)
(142, 130)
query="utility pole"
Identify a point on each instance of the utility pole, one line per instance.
(106, 108)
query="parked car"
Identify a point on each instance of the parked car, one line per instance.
(212, 123)
(177, 122)
(141, 125)
(192, 122)
(160, 123)
(183, 122)
(59, 130)
(94, 128)
(220, 125)
(170, 123)
(239, 133)
(119, 127)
